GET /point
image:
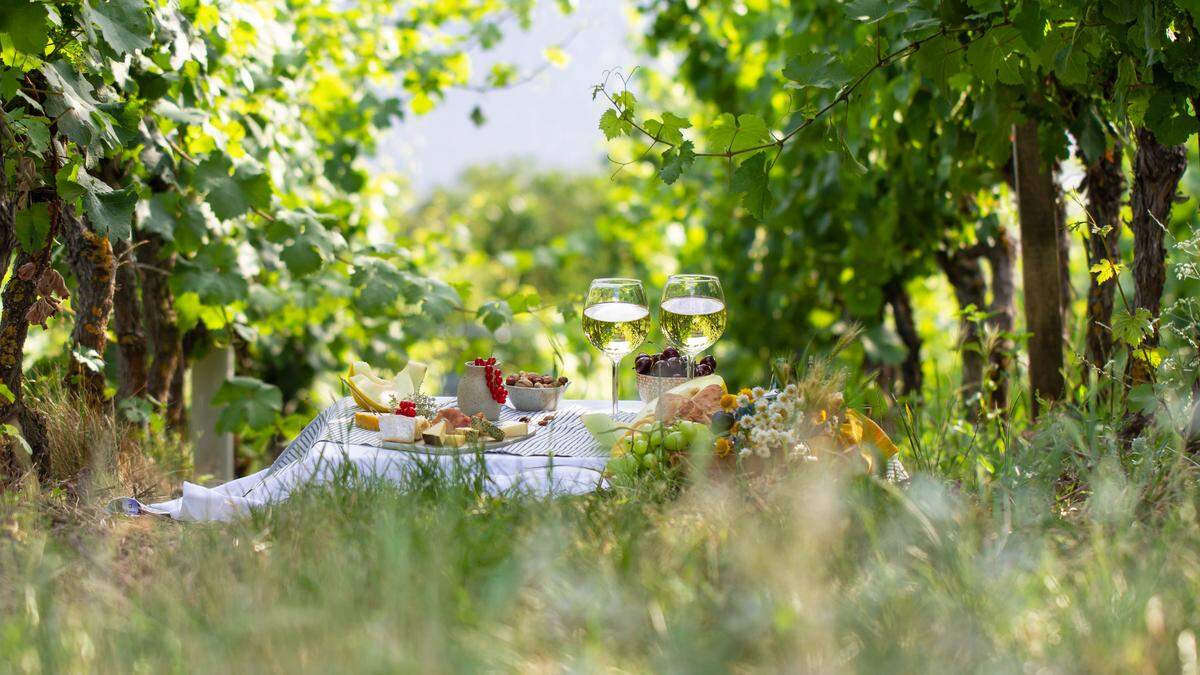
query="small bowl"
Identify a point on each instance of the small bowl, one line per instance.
(651, 387)
(535, 399)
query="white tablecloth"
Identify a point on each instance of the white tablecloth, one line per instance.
(326, 460)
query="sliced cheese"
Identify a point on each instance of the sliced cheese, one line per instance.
(514, 429)
(454, 440)
(435, 434)
(365, 420)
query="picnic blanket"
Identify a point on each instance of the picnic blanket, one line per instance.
(561, 458)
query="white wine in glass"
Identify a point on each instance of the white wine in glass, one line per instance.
(693, 314)
(616, 321)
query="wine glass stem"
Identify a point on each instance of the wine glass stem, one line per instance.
(616, 380)
(691, 366)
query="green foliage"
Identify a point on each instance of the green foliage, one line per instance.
(249, 403)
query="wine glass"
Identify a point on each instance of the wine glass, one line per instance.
(693, 314)
(616, 321)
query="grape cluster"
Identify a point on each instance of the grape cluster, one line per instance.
(494, 378)
(670, 363)
(659, 448)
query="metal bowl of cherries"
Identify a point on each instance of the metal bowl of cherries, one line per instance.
(659, 373)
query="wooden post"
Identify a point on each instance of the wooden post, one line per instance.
(213, 452)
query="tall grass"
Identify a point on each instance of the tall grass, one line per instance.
(826, 570)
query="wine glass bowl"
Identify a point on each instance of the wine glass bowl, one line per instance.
(616, 321)
(693, 314)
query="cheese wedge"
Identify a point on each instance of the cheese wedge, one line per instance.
(514, 429)
(435, 434)
(364, 420)
(454, 440)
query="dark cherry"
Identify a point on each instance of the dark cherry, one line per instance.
(670, 353)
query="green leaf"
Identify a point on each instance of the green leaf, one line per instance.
(1031, 23)
(1131, 329)
(90, 359)
(213, 275)
(233, 195)
(32, 225)
(809, 71)
(750, 179)
(675, 161)
(382, 286)
(668, 129)
(123, 23)
(627, 102)
(873, 11)
(26, 25)
(613, 126)
(72, 103)
(111, 213)
(728, 134)
(249, 403)
(159, 214)
(495, 314)
(301, 257)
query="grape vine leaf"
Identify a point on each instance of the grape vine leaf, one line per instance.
(301, 257)
(232, 195)
(157, 214)
(874, 11)
(213, 275)
(495, 314)
(439, 300)
(249, 403)
(675, 161)
(1131, 329)
(72, 103)
(668, 129)
(111, 212)
(614, 126)
(25, 24)
(32, 225)
(728, 133)
(750, 179)
(123, 23)
(807, 71)
(381, 285)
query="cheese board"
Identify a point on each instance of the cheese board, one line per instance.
(465, 449)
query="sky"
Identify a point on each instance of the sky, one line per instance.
(551, 120)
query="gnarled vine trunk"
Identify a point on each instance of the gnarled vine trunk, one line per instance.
(127, 323)
(92, 262)
(1041, 269)
(1000, 255)
(965, 274)
(1104, 184)
(906, 327)
(156, 262)
(1157, 170)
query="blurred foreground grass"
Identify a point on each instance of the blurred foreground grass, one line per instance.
(820, 571)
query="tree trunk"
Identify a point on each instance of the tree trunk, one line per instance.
(127, 322)
(906, 327)
(19, 294)
(966, 277)
(1104, 183)
(158, 304)
(91, 258)
(1002, 317)
(1156, 173)
(1041, 270)
(1066, 293)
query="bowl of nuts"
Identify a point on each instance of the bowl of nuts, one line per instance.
(530, 392)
